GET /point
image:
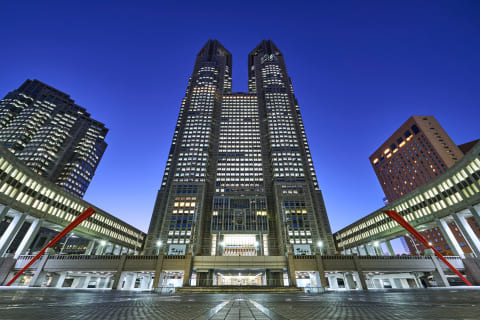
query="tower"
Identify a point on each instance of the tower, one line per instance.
(419, 151)
(239, 179)
(52, 135)
(416, 153)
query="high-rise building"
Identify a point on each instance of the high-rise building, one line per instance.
(416, 153)
(419, 151)
(239, 179)
(52, 135)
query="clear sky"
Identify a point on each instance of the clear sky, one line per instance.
(359, 70)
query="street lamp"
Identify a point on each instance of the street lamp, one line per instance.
(100, 251)
(320, 245)
(159, 244)
(376, 244)
(65, 243)
(414, 244)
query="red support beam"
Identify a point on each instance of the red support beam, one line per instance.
(404, 223)
(79, 219)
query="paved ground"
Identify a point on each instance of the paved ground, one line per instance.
(419, 304)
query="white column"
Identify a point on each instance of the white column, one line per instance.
(362, 250)
(417, 280)
(370, 250)
(61, 280)
(100, 249)
(332, 281)
(107, 280)
(468, 233)
(448, 234)
(130, 281)
(438, 274)
(392, 283)
(356, 276)
(390, 248)
(86, 281)
(28, 238)
(316, 276)
(349, 282)
(109, 248)
(90, 247)
(39, 272)
(4, 212)
(145, 281)
(116, 249)
(11, 232)
(475, 214)
(379, 250)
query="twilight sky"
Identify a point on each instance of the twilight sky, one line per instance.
(359, 70)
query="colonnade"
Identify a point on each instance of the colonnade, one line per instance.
(384, 247)
(18, 219)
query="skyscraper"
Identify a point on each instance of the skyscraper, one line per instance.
(419, 151)
(52, 135)
(239, 179)
(416, 153)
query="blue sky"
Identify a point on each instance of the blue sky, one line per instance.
(359, 70)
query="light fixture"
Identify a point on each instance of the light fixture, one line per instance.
(103, 242)
(159, 243)
(376, 243)
(320, 243)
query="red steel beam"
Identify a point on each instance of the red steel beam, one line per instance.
(404, 223)
(79, 219)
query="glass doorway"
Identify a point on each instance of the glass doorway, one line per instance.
(235, 278)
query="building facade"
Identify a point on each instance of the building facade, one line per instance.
(417, 152)
(239, 179)
(52, 135)
(420, 151)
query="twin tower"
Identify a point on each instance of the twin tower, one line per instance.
(239, 179)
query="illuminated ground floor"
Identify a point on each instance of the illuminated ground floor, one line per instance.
(309, 280)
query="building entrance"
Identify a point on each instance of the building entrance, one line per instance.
(235, 278)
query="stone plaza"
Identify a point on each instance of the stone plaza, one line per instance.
(431, 303)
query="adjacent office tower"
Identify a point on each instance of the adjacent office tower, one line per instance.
(52, 135)
(419, 151)
(416, 153)
(239, 178)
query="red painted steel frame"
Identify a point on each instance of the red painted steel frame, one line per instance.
(79, 219)
(397, 217)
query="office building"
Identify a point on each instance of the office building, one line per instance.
(52, 135)
(239, 179)
(419, 151)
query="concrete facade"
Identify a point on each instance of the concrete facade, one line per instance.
(163, 271)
